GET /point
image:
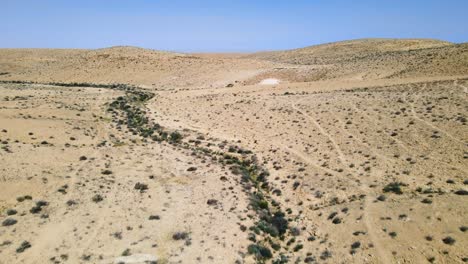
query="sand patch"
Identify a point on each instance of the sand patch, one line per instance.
(270, 81)
(138, 258)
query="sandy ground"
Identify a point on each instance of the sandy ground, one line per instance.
(71, 227)
(335, 151)
(369, 165)
(270, 81)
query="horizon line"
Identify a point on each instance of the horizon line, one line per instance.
(220, 51)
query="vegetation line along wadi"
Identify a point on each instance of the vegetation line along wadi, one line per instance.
(270, 233)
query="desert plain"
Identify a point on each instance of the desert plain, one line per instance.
(347, 152)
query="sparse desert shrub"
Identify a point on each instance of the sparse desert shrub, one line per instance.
(332, 215)
(106, 172)
(461, 192)
(448, 240)
(337, 220)
(192, 169)
(212, 202)
(295, 231)
(357, 233)
(298, 247)
(280, 222)
(259, 251)
(176, 137)
(71, 202)
(23, 198)
(268, 228)
(258, 202)
(24, 245)
(11, 212)
(275, 246)
(296, 184)
(394, 187)
(252, 237)
(38, 208)
(382, 198)
(142, 187)
(180, 236)
(9, 222)
(41, 203)
(154, 217)
(426, 201)
(97, 198)
(277, 192)
(310, 259)
(126, 252)
(63, 189)
(326, 254)
(117, 235)
(356, 245)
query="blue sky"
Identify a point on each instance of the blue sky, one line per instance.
(221, 26)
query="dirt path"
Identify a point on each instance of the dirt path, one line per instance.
(341, 156)
(417, 96)
(381, 252)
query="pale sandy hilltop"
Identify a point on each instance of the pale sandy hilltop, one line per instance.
(348, 152)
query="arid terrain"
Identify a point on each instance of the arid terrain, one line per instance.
(347, 152)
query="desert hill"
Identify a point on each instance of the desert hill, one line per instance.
(367, 59)
(123, 65)
(337, 50)
(377, 58)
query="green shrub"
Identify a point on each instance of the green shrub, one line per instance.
(394, 187)
(268, 228)
(298, 247)
(176, 137)
(259, 251)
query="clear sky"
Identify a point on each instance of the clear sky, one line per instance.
(220, 26)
